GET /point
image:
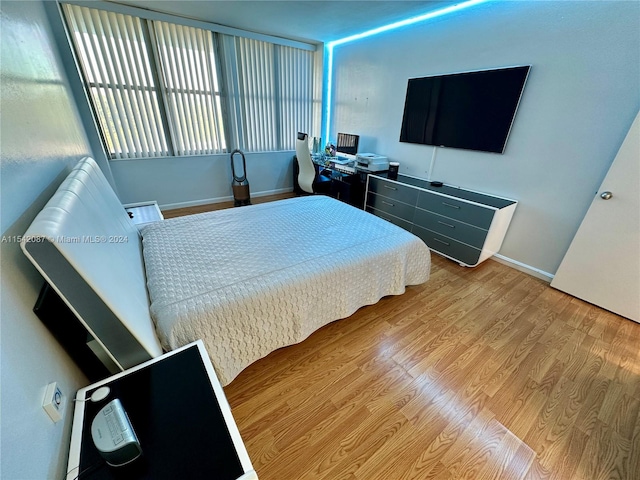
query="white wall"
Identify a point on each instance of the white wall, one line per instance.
(176, 182)
(580, 99)
(41, 139)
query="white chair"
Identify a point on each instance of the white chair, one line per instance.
(308, 179)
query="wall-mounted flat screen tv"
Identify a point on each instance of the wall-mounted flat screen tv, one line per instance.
(470, 110)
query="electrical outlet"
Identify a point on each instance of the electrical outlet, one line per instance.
(53, 402)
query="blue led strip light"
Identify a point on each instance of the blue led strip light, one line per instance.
(376, 31)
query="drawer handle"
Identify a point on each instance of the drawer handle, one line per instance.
(390, 188)
(388, 203)
(446, 224)
(442, 241)
(449, 205)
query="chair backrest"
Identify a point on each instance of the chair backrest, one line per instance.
(307, 172)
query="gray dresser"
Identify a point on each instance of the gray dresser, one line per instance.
(462, 225)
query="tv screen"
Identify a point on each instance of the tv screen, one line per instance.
(470, 110)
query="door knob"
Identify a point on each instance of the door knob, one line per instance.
(606, 195)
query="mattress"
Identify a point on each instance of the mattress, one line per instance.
(250, 280)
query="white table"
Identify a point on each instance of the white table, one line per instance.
(144, 212)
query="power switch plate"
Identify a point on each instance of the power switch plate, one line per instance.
(53, 402)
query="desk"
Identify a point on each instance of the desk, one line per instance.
(347, 187)
(180, 414)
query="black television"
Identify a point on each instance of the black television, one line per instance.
(468, 110)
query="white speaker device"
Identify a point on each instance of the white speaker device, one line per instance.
(113, 435)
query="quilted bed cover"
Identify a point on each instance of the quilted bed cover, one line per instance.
(250, 280)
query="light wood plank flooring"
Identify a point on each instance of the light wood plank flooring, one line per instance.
(178, 212)
(483, 373)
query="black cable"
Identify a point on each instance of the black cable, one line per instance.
(90, 467)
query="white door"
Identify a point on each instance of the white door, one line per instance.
(602, 265)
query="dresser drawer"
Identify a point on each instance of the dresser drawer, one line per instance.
(390, 218)
(445, 245)
(389, 205)
(451, 228)
(456, 209)
(396, 191)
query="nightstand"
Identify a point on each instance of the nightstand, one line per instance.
(144, 212)
(180, 415)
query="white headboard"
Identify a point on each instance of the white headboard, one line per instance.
(89, 251)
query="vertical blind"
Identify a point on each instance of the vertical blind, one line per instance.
(117, 71)
(257, 93)
(295, 83)
(159, 88)
(272, 87)
(191, 88)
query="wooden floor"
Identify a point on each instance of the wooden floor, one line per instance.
(179, 212)
(483, 373)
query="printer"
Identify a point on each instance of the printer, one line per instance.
(372, 162)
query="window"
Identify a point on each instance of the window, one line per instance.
(257, 98)
(295, 83)
(117, 71)
(272, 89)
(191, 88)
(159, 88)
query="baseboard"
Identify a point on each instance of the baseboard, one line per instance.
(208, 201)
(535, 272)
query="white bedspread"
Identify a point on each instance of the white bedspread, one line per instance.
(253, 279)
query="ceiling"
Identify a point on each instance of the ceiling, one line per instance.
(306, 20)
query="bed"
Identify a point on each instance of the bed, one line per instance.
(246, 280)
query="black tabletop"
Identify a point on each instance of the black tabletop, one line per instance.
(477, 197)
(174, 411)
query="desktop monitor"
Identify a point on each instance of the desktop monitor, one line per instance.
(347, 144)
